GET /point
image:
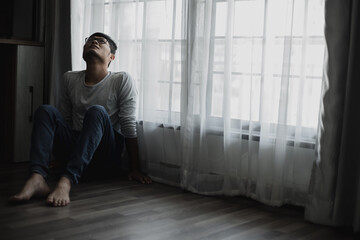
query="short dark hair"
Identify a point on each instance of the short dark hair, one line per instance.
(111, 42)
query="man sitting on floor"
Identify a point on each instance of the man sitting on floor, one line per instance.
(96, 117)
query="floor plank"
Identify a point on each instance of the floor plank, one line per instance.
(121, 209)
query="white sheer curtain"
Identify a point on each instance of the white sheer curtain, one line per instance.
(229, 90)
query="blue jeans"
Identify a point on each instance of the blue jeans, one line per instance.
(97, 141)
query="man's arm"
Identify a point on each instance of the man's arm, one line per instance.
(133, 151)
(127, 105)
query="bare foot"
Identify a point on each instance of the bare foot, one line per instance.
(34, 186)
(60, 196)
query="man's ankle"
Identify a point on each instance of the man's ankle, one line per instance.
(64, 181)
(37, 176)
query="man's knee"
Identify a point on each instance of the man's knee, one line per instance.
(45, 109)
(96, 111)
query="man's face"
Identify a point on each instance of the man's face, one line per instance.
(99, 48)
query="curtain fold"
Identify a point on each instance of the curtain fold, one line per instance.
(335, 184)
(229, 91)
(57, 47)
(247, 129)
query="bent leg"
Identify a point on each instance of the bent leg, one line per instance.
(97, 135)
(50, 132)
(47, 123)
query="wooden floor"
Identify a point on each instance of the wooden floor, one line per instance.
(120, 209)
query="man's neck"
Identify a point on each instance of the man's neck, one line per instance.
(95, 73)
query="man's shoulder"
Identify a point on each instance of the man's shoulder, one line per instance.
(121, 78)
(123, 82)
(72, 77)
(74, 74)
(121, 75)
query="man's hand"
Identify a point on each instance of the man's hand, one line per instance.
(138, 176)
(133, 150)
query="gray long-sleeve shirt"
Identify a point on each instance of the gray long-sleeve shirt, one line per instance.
(116, 92)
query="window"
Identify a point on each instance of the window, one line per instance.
(265, 52)
(169, 41)
(299, 44)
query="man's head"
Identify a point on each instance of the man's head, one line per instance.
(112, 44)
(100, 45)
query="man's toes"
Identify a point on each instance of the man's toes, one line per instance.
(64, 203)
(50, 200)
(18, 198)
(14, 199)
(60, 203)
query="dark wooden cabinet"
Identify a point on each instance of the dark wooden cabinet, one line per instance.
(22, 25)
(22, 66)
(22, 19)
